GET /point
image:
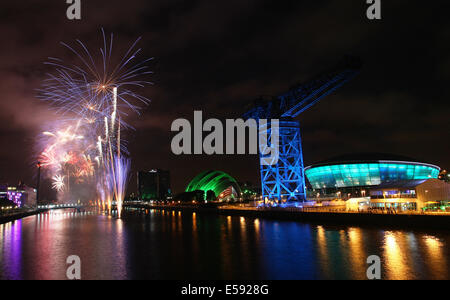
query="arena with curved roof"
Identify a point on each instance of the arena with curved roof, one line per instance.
(367, 169)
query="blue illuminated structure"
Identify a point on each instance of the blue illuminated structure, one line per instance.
(284, 180)
(369, 172)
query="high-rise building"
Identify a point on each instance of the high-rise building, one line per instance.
(154, 185)
(20, 196)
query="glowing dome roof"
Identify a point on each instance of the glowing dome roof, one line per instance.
(215, 181)
(367, 170)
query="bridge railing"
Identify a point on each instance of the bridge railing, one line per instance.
(56, 206)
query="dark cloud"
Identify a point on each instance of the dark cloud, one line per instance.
(218, 55)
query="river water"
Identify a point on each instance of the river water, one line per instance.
(156, 244)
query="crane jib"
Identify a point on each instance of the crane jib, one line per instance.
(301, 98)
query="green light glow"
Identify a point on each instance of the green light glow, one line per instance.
(215, 181)
(366, 174)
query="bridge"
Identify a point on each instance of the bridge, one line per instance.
(60, 206)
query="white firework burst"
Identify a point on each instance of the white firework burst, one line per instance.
(59, 182)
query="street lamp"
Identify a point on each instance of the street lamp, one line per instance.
(38, 183)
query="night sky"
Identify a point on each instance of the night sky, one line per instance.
(217, 56)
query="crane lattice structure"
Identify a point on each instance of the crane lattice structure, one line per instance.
(284, 180)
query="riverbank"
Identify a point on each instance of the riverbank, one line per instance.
(19, 215)
(415, 221)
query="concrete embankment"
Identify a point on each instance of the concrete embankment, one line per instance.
(416, 221)
(20, 215)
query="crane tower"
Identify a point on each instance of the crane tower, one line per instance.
(285, 179)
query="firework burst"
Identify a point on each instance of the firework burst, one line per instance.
(93, 98)
(58, 183)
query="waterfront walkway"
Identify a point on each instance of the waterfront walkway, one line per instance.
(16, 214)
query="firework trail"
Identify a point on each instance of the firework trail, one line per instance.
(93, 99)
(121, 171)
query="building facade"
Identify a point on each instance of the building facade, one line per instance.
(19, 196)
(421, 195)
(154, 185)
(380, 181)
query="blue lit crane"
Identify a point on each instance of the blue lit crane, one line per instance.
(285, 179)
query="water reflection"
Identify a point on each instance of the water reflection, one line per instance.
(174, 245)
(322, 249)
(10, 239)
(37, 247)
(396, 252)
(437, 257)
(356, 252)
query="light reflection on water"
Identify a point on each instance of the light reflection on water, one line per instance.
(153, 244)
